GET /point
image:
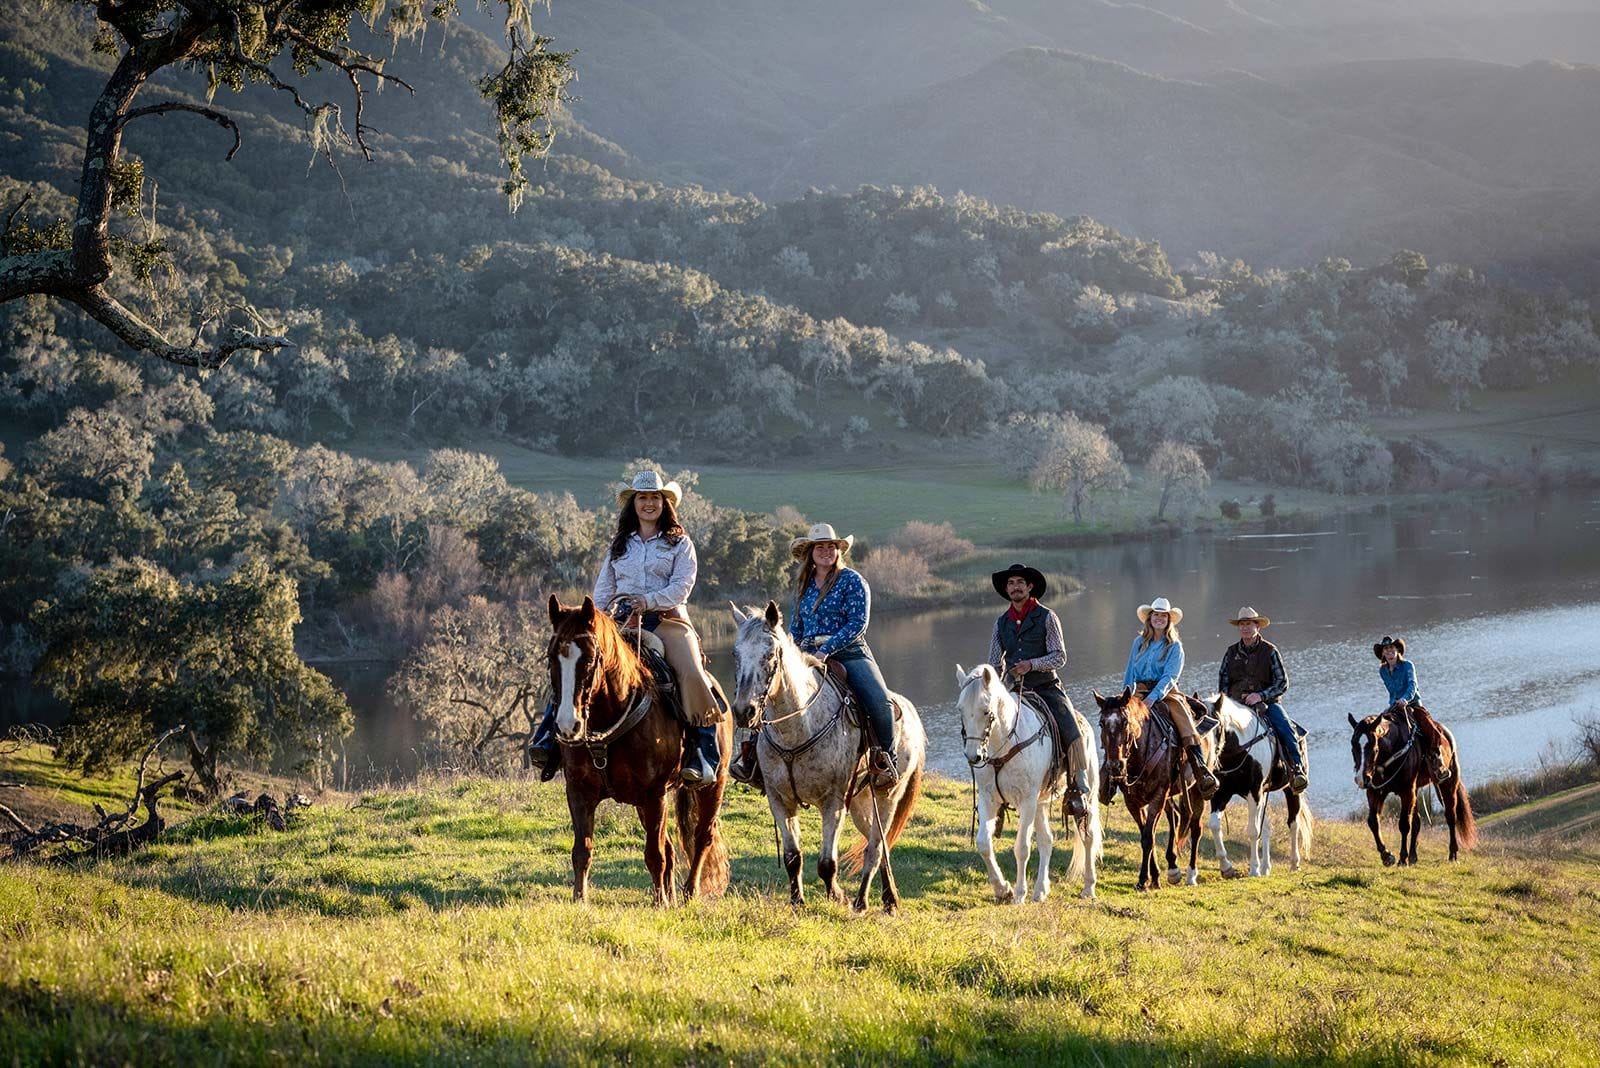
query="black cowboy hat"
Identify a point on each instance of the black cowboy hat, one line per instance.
(1398, 643)
(1034, 576)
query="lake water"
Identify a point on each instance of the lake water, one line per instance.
(1497, 605)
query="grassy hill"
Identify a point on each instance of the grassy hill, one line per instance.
(432, 924)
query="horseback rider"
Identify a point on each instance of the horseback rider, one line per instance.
(1252, 674)
(829, 618)
(1027, 650)
(645, 578)
(1400, 679)
(1155, 660)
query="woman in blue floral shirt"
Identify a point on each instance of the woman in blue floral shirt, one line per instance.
(831, 608)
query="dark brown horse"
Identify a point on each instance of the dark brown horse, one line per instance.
(1143, 759)
(1389, 760)
(618, 741)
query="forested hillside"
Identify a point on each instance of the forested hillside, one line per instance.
(616, 315)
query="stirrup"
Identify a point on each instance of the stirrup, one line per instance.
(884, 771)
(1076, 805)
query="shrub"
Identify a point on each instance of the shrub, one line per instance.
(1269, 506)
(1231, 509)
(896, 572)
(937, 543)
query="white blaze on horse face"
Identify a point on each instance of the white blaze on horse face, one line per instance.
(566, 711)
(972, 703)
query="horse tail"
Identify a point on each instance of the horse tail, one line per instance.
(1466, 822)
(853, 859)
(1304, 824)
(715, 868)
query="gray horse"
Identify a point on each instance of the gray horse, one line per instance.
(809, 749)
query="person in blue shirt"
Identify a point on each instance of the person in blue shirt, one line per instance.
(832, 605)
(1399, 678)
(1155, 660)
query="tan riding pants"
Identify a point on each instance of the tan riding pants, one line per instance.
(688, 663)
(1178, 710)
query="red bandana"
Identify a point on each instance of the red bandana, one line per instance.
(1019, 614)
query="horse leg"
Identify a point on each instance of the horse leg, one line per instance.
(1254, 818)
(1193, 819)
(988, 809)
(866, 822)
(1266, 835)
(1374, 806)
(582, 811)
(1173, 816)
(1408, 804)
(1149, 879)
(1047, 844)
(1448, 803)
(828, 855)
(1226, 865)
(1022, 847)
(1416, 826)
(788, 825)
(652, 817)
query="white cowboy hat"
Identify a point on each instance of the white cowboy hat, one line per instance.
(650, 482)
(1160, 604)
(819, 532)
(1250, 615)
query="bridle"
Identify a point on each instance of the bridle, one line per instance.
(982, 737)
(1372, 767)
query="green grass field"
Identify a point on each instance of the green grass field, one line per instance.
(433, 924)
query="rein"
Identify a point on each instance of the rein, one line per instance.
(598, 744)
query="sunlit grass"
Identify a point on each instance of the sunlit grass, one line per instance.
(435, 924)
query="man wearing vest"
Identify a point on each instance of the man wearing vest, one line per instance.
(1027, 650)
(1252, 674)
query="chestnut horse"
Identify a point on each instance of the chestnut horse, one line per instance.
(618, 741)
(1144, 761)
(1389, 760)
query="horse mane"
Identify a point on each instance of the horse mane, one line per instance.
(785, 643)
(1234, 716)
(622, 661)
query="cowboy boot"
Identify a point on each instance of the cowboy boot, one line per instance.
(543, 750)
(885, 771)
(699, 755)
(745, 767)
(1203, 778)
(1297, 778)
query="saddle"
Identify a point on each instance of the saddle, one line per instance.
(840, 682)
(1058, 751)
(654, 655)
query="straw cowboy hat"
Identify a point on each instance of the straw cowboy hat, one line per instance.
(1398, 643)
(1160, 604)
(650, 482)
(1034, 576)
(819, 532)
(1250, 615)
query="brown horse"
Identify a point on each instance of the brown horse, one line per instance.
(618, 741)
(1389, 760)
(1144, 761)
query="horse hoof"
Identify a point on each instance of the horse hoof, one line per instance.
(890, 908)
(1002, 895)
(1174, 878)
(1232, 873)
(1143, 889)
(1087, 895)
(1388, 860)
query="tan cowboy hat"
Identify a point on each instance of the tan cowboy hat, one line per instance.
(1250, 615)
(650, 482)
(819, 532)
(1160, 604)
(1398, 643)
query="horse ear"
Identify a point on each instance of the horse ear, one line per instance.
(555, 610)
(588, 607)
(1127, 692)
(1353, 724)
(961, 675)
(774, 617)
(1216, 702)
(1101, 701)
(738, 613)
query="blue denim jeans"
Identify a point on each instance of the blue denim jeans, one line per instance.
(866, 682)
(1288, 740)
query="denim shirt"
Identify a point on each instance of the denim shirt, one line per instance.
(826, 625)
(1401, 682)
(1160, 660)
(652, 571)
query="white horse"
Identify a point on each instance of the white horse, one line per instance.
(810, 754)
(1248, 766)
(1008, 745)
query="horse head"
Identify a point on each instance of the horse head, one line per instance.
(1370, 741)
(587, 657)
(758, 652)
(1121, 724)
(978, 694)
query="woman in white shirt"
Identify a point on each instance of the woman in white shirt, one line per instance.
(646, 577)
